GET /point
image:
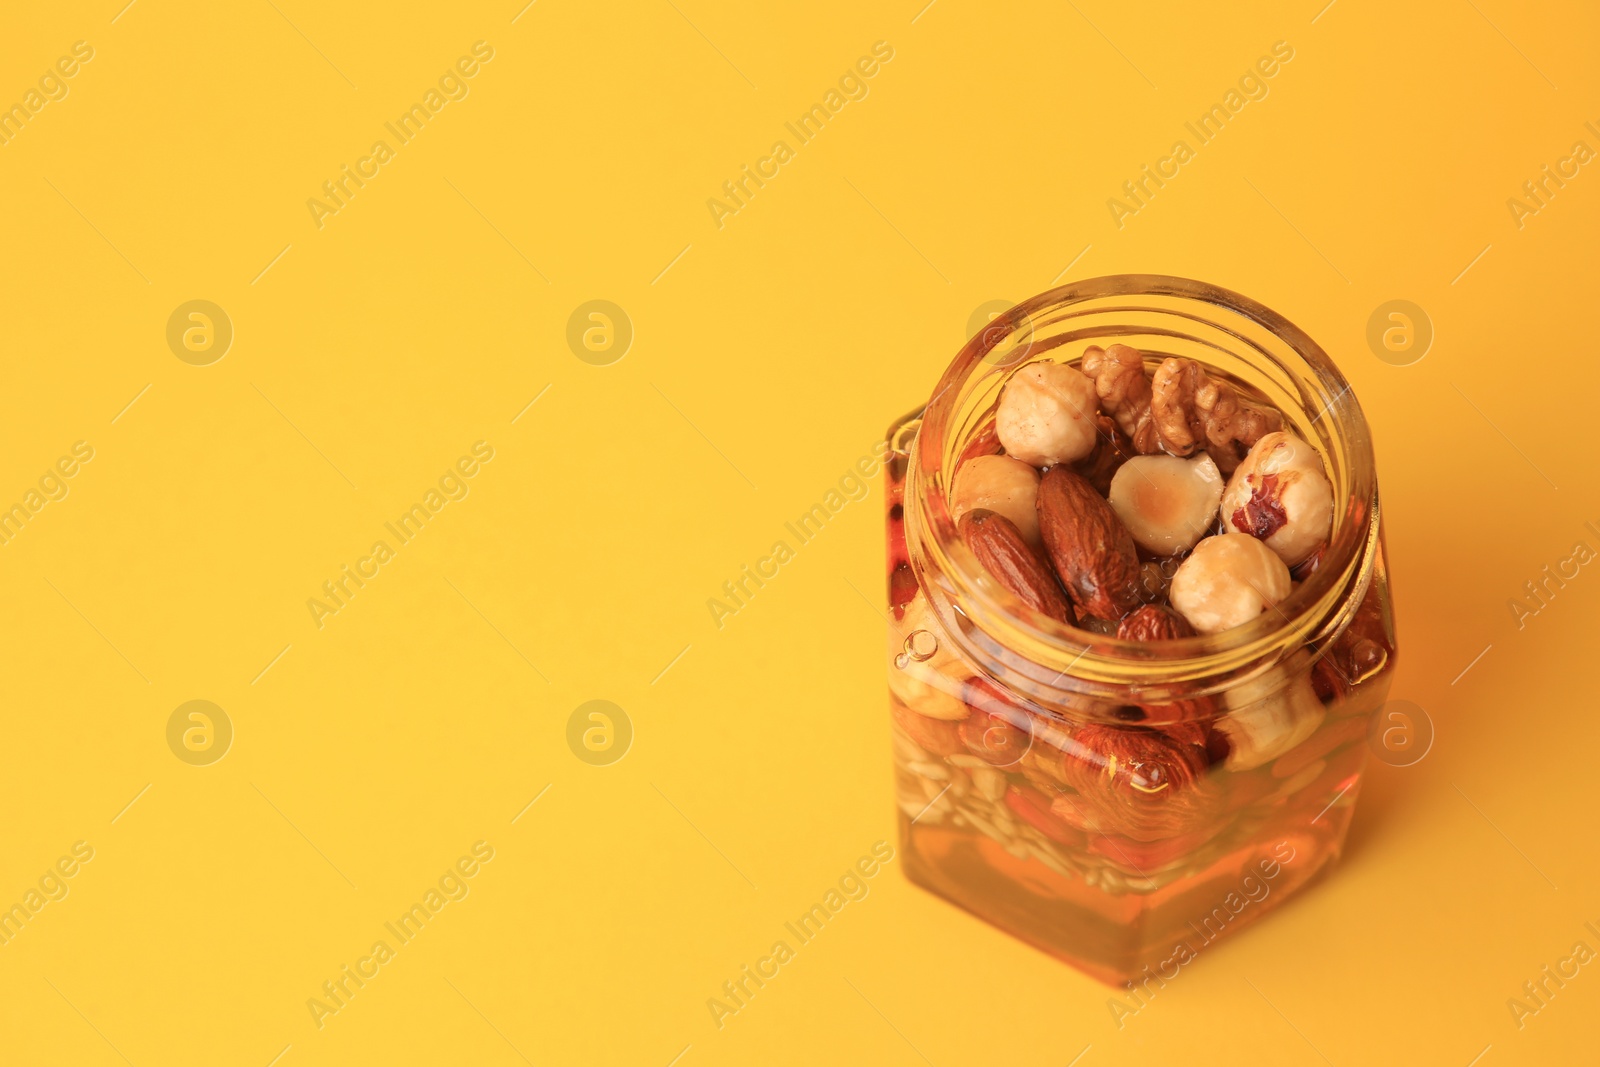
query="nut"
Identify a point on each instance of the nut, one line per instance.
(1153, 582)
(1090, 548)
(1003, 485)
(1322, 744)
(1269, 715)
(990, 783)
(1033, 808)
(1194, 410)
(1014, 563)
(1124, 392)
(936, 737)
(924, 673)
(1181, 719)
(999, 731)
(1112, 452)
(1139, 783)
(1310, 774)
(1281, 495)
(915, 809)
(994, 740)
(1167, 503)
(1046, 414)
(1227, 580)
(1154, 623)
(903, 587)
(905, 749)
(1071, 809)
(1365, 647)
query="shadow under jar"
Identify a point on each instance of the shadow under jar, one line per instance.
(1122, 805)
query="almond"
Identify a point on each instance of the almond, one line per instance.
(1000, 547)
(1092, 551)
(1139, 783)
(1154, 623)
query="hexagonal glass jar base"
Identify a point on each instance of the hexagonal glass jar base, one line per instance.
(1095, 919)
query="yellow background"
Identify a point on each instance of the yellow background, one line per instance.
(433, 308)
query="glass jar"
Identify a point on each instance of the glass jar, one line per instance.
(1118, 806)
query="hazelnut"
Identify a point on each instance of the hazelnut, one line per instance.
(1014, 564)
(1228, 580)
(1281, 495)
(1166, 503)
(1047, 413)
(1269, 715)
(1002, 485)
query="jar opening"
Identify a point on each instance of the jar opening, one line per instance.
(1161, 316)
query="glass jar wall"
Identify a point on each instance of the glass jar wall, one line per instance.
(1117, 804)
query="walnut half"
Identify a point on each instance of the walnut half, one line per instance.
(1124, 392)
(1193, 410)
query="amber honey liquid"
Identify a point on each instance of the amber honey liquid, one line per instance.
(989, 821)
(1089, 915)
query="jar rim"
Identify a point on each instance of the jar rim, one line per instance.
(1316, 610)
